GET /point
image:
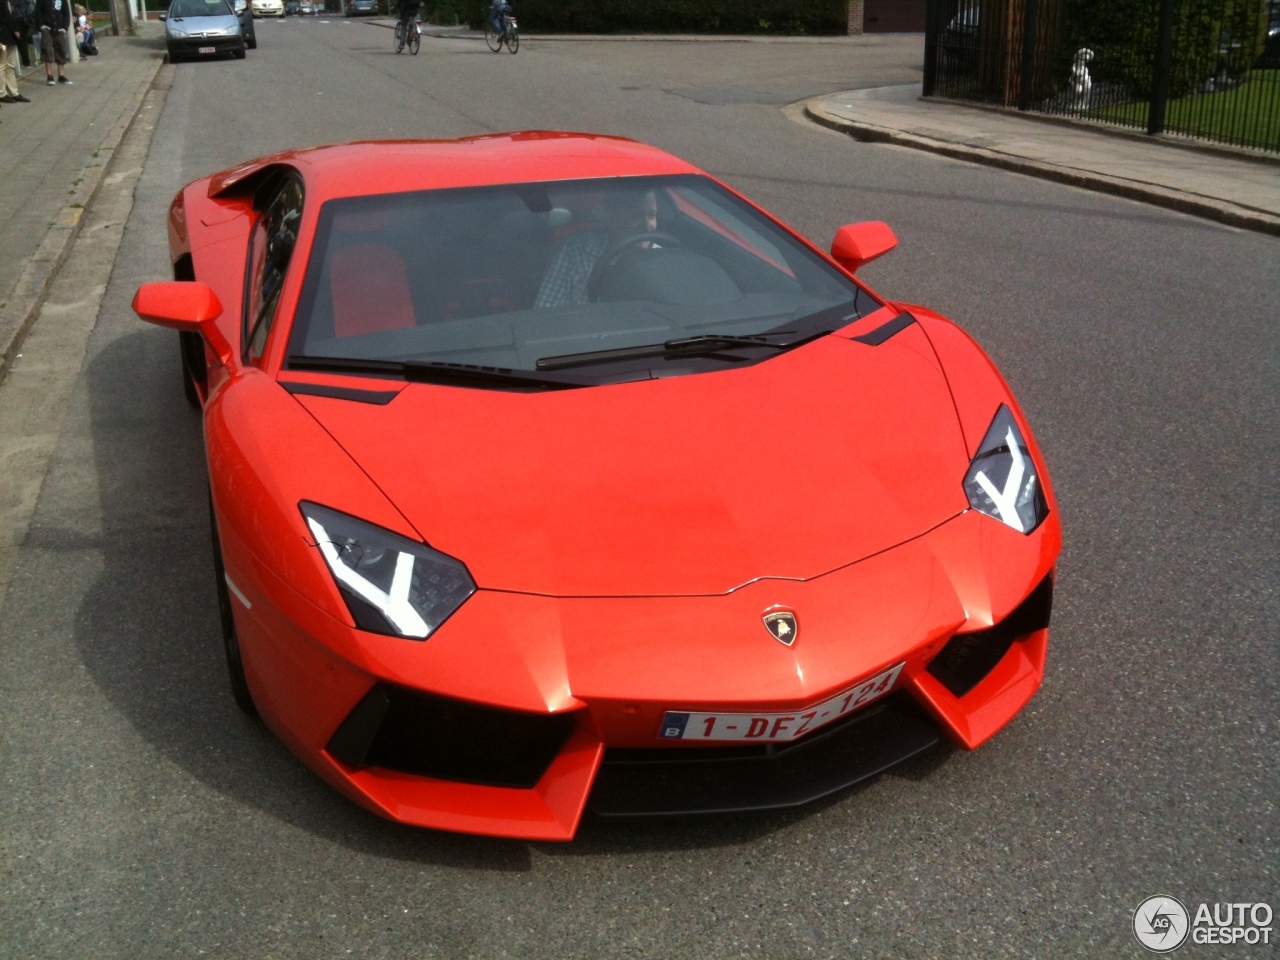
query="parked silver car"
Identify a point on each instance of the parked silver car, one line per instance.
(203, 28)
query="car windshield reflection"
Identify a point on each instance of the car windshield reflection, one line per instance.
(507, 275)
(181, 9)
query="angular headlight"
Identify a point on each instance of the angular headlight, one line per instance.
(1002, 481)
(391, 584)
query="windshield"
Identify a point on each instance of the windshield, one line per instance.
(508, 276)
(199, 8)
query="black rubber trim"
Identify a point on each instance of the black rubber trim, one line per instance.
(409, 731)
(352, 741)
(703, 780)
(886, 330)
(967, 658)
(379, 397)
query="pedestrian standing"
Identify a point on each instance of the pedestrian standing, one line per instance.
(55, 27)
(12, 36)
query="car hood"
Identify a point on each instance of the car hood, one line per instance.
(690, 485)
(195, 26)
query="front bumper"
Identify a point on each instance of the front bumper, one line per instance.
(192, 46)
(422, 732)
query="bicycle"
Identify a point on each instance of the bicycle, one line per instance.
(411, 38)
(510, 34)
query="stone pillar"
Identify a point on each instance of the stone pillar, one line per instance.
(855, 18)
(122, 23)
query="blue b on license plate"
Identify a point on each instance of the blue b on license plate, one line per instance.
(775, 727)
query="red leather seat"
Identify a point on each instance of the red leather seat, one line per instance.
(369, 287)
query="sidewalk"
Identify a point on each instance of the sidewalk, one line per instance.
(53, 153)
(1218, 184)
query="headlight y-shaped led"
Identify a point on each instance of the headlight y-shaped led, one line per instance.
(391, 584)
(1002, 480)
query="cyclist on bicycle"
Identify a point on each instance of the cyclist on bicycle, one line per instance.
(408, 12)
(497, 10)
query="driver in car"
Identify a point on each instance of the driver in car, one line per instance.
(627, 213)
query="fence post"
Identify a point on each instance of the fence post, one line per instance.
(1030, 21)
(932, 31)
(1163, 66)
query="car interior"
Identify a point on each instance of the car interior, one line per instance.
(455, 275)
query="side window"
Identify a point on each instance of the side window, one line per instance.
(271, 248)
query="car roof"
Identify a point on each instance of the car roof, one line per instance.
(393, 166)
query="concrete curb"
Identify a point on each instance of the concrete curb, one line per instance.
(1111, 130)
(29, 294)
(1223, 212)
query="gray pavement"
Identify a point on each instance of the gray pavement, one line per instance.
(1229, 187)
(53, 154)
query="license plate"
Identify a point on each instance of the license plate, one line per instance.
(775, 727)
(207, 50)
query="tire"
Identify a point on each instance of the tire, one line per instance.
(230, 641)
(238, 54)
(415, 41)
(174, 56)
(251, 40)
(400, 37)
(491, 37)
(513, 40)
(191, 349)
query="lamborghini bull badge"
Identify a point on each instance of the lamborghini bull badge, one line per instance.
(783, 626)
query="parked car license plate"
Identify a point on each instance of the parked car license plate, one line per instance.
(208, 50)
(774, 727)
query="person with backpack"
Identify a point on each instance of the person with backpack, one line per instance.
(12, 37)
(54, 17)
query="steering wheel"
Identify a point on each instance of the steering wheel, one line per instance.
(609, 259)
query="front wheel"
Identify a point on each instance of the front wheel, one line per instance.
(513, 39)
(492, 37)
(230, 640)
(400, 37)
(415, 41)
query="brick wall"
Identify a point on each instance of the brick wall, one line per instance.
(855, 17)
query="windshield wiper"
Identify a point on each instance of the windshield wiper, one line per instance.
(697, 346)
(430, 371)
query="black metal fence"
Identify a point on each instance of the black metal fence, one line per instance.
(1208, 69)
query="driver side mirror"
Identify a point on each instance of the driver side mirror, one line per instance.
(860, 243)
(186, 305)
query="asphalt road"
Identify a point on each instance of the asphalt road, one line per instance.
(142, 816)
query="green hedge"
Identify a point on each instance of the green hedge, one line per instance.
(676, 16)
(1210, 37)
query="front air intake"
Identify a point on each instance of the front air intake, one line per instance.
(412, 732)
(968, 657)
